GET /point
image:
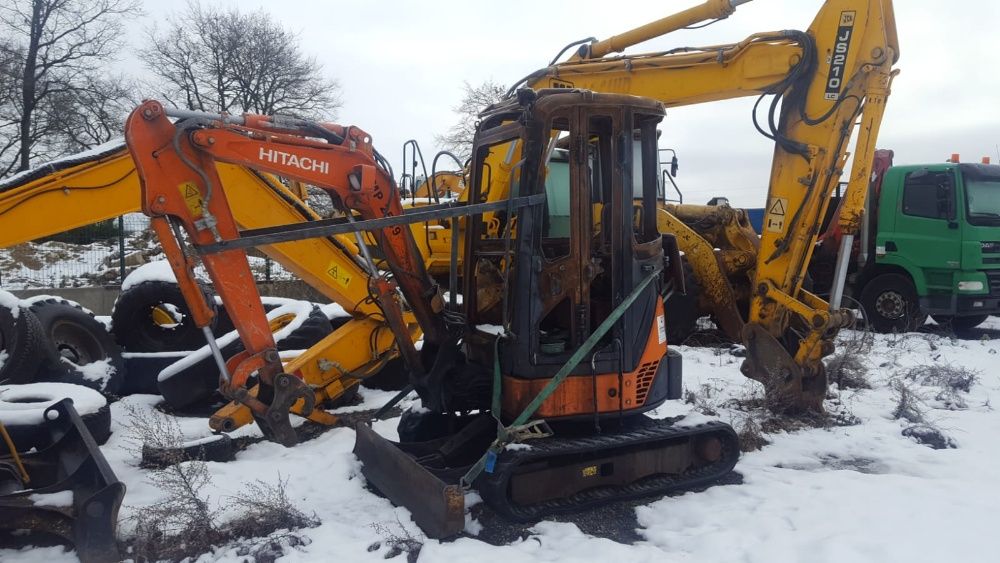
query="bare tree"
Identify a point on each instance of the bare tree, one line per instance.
(54, 56)
(215, 60)
(458, 139)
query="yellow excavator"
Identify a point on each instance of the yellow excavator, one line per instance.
(824, 84)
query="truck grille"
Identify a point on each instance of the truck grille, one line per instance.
(993, 277)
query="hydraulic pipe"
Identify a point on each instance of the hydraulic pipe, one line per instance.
(709, 10)
(840, 272)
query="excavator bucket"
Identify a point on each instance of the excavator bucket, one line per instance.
(71, 492)
(437, 507)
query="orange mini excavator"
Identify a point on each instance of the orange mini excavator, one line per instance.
(535, 387)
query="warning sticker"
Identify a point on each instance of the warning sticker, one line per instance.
(192, 198)
(338, 275)
(661, 329)
(776, 211)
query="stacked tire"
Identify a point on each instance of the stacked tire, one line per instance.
(56, 340)
(167, 353)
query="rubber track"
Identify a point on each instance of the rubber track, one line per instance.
(494, 487)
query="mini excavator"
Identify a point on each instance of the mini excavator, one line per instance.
(559, 340)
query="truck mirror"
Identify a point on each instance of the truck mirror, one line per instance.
(673, 166)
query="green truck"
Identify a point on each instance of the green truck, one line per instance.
(930, 246)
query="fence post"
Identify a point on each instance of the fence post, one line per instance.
(121, 249)
(267, 269)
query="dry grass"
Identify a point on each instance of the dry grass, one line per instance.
(187, 523)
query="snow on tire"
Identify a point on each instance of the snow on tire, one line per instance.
(21, 349)
(296, 325)
(22, 411)
(78, 348)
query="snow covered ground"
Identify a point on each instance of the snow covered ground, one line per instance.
(843, 493)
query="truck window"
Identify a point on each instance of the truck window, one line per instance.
(927, 194)
(983, 199)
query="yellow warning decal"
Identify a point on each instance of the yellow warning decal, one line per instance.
(192, 198)
(777, 209)
(589, 471)
(338, 275)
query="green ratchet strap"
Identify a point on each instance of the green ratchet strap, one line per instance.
(504, 433)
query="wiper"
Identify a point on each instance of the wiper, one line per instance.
(984, 214)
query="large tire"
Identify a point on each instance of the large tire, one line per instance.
(960, 324)
(79, 348)
(891, 305)
(21, 343)
(195, 379)
(153, 317)
(22, 410)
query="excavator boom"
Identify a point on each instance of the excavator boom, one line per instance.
(828, 82)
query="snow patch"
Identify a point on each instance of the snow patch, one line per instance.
(154, 271)
(11, 302)
(61, 499)
(99, 371)
(334, 311)
(3, 357)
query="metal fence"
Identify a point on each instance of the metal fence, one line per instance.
(102, 254)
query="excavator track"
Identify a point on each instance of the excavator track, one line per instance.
(647, 457)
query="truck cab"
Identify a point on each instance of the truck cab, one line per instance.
(935, 246)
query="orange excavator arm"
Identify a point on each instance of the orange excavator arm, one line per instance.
(176, 163)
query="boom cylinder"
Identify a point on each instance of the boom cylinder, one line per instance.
(709, 10)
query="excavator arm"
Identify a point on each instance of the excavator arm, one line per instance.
(176, 165)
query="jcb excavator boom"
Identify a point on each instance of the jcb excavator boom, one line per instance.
(825, 82)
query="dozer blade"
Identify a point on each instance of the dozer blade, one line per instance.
(437, 507)
(72, 463)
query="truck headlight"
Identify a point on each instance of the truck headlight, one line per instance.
(970, 286)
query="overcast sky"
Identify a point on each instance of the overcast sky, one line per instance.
(401, 67)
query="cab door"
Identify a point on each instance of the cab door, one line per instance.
(926, 234)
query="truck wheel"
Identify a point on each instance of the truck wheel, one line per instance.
(890, 304)
(21, 343)
(958, 324)
(153, 317)
(80, 350)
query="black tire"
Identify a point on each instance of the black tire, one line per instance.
(142, 370)
(96, 415)
(21, 341)
(224, 323)
(681, 311)
(960, 324)
(135, 325)
(74, 340)
(891, 305)
(219, 448)
(393, 376)
(199, 381)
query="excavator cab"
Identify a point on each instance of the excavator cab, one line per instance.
(564, 265)
(563, 344)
